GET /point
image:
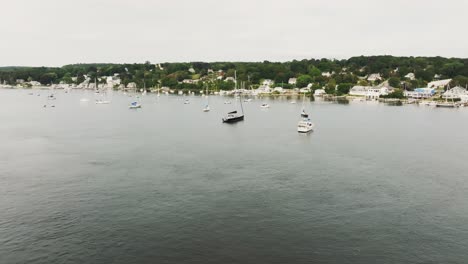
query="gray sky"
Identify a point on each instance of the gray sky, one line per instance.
(58, 32)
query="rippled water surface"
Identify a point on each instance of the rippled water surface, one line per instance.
(168, 183)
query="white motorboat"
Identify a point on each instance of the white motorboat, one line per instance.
(305, 125)
(186, 102)
(206, 109)
(227, 102)
(265, 106)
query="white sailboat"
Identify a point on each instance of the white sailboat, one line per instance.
(207, 107)
(304, 125)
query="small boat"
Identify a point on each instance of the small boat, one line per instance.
(180, 93)
(99, 101)
(293, 102)
(305, 125)
(304, 114)
(227, 102)
(248, 100)
(446, 105)
(187, 102)
(207, 107)
(51, 97)
(134, 105)
(265, 106)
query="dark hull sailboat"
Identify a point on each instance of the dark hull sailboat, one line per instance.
(233, 117)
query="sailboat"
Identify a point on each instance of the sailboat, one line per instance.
(304, 125)
(303, 113)
(234, 116)
(207, 107)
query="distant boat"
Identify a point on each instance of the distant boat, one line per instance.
(187, 102)
(293, 102)
(84, 100)
(265, 106)
(248, 100)
(227, 102)
(207, 107)
(99, 101)
(134, 105)
(51, 97)
(446, 105)
(304, 114)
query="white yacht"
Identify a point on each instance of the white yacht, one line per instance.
(305, 125)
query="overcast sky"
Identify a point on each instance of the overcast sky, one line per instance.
(58, 32)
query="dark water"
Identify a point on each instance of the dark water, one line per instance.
(86, 183)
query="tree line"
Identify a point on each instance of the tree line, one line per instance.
(340, 74)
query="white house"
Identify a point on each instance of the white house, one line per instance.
(191, 70)
(264, 89)
(278, 89)
(439, 84)
(131, 85)
(268, 82)
(305, 90)
(230, 79)
(35, 83)
(374, 77)
(327, 74)
(319, 92)
(455, 92)
(359, 90)
(292, 81)
(410, 76)
(420, 93)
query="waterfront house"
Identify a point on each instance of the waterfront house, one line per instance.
(455, 92)
(305, 90)
(420, 93)
(268, 82)
(439, 84)
(359, 90)
(278, 90)
(319, 92)
(292, 81)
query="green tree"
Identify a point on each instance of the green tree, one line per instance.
(304, 80)
(394, 82)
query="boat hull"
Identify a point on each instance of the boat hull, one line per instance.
(233, 119)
